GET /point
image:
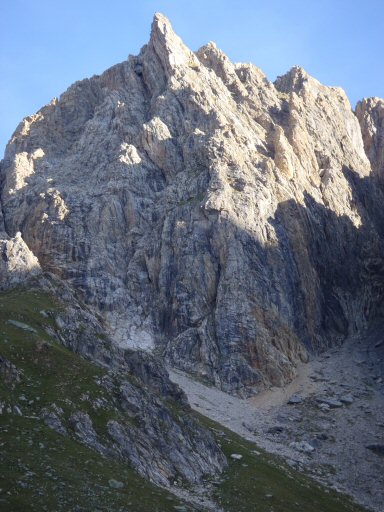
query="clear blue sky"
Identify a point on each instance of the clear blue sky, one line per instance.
(46, 45)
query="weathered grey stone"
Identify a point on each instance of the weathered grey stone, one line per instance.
(302, 446)
(115, 484)
(346, 399)
(333, 403)
(21, 325)
(53, 421)
(162, 449)
(82, 425)
(295, 399)
(17, 410)
(9, 373)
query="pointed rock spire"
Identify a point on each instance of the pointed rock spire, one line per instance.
(168, 46)
(293, 80)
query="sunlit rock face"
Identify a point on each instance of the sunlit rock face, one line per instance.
(208, 214)
(370, 112)
(17, 262)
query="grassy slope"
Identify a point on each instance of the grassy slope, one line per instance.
(41, 470)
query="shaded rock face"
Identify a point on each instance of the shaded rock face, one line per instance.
(208, 214)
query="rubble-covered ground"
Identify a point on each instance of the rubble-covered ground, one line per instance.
(328, 423)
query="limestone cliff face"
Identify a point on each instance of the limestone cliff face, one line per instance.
(208, 214)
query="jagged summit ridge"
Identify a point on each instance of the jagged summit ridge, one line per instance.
(207, 213)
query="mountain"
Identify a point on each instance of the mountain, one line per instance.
(185, 209)
(207, 213)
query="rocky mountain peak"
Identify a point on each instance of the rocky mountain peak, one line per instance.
(168, 46)
(225, 222)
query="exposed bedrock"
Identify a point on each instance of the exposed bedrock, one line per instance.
(231, 224)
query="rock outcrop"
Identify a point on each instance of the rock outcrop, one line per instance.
(206, 213)
(370, 113)
(17, 263)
